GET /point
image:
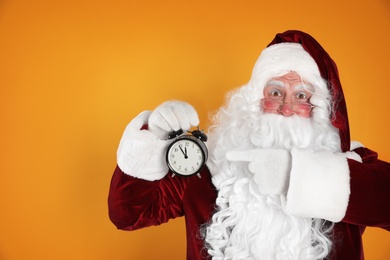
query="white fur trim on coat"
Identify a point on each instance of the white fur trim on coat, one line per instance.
(319, 185)
(355, 145)
(140, 153)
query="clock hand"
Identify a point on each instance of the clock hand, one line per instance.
(185, 149)
(184, 153)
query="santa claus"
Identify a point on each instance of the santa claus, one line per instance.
(282, 180)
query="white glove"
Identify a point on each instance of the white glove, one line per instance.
(140, 153)
(271, 168)
(172, 116)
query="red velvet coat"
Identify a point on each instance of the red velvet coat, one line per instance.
(135, 203)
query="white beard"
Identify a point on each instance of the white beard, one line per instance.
(248, 224)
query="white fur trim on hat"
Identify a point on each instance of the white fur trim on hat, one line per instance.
(279, 59)
(286, 56)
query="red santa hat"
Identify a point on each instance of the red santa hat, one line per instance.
(298, 51)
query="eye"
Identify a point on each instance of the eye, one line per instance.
(301, 95)
(275, 93)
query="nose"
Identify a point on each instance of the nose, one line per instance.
(286, 110)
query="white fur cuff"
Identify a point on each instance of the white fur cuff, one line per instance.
(140, 153)
(319, 185)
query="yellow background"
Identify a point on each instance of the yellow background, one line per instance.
(74, 73)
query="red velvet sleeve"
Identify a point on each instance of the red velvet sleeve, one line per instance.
(135, 203)
(369, 202)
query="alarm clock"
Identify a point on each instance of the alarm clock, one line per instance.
(187, 154)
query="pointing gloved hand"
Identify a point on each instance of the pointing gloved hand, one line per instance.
(172, 116)
(271, 168)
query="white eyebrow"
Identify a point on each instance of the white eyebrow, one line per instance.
(304, 86)
(276, 83)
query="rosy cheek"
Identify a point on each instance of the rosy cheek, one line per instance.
(266, 111)
(305, 114)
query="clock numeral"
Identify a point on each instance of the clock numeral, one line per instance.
(187, 143)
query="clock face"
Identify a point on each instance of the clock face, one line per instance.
(185, 157)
